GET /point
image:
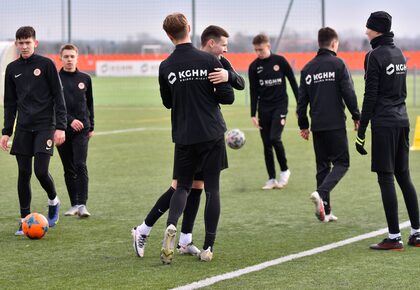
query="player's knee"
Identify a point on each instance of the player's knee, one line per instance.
(81, 169)
(41, 173)
(198, 184)
(25, 172)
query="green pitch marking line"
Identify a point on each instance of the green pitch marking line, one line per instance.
(262, 266)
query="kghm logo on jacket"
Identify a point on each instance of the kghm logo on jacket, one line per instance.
(271, 82)
(188, 75)
(398, 69)
(328, 76)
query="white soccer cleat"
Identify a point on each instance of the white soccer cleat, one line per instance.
(74, 210)
(139, 242)
(319, 206)
(270, 184)
(83, 212)
(168, 245)
(206, 255)
(284, 178)
(189, 249)
(330, 218)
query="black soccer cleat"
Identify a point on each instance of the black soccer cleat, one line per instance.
(389, 244)
(414, 240)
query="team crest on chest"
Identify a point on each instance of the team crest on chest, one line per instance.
(49, 143)
(37, 72)
(81, 86)
(276, 67)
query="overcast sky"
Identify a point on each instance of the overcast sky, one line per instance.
(126, 19)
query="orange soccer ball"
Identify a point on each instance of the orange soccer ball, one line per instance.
(35, 226)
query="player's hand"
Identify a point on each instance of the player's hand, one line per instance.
(4, 141)
(356, 124)
(59, 137)
(219, 76)
(77, 125)
(255, 122)
(304, 133)
(360, 143)
(90, 134)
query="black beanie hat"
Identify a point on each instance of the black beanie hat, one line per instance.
(380, 21)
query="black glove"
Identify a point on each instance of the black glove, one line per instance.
(360, 143)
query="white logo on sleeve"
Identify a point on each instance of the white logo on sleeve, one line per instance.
(308, 79)
(171, 78)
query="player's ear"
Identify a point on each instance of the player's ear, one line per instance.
(36, 43)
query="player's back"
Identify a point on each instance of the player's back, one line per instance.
(194, 100)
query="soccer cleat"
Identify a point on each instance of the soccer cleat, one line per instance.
(270, 184)
(388, 244)
(168, 245)
(83, 212)
(414, 240)
(206, 255)
(19, 232)
(53, 214)
(330, 218)
(319, 206)
(284, 178)
(189, 249)
(74, 210)
(139, 242)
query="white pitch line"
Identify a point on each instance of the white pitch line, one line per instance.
(259, 267)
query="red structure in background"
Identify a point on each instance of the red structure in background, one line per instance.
(241, 61)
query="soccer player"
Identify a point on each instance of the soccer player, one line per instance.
(214, 40)
(267, 82)
(326, 85)
(80, 128)
(34, 93)
(197, 128)
(384, 105)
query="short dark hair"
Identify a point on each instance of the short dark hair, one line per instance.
(175, 25)
(25, 32)
(212, 32)
(260, 38)
(69, 46)
(325, 36)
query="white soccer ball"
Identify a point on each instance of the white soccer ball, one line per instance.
(235, 138)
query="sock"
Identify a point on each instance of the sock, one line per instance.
(185, 239)
(144, 229)
(54, 201)
(414, 231)
(394, 236)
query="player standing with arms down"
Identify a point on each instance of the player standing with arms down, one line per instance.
(214, 40)
(267, 81)
(326, 85)
(384, 105)
(80, 118)
(197, 128)
(34, 93)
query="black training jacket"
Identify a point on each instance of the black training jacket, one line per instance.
(77, 88)
(235, 80)
(194, 100)
(326, 84)
(267, 82)
(385, 85)
(33, 88)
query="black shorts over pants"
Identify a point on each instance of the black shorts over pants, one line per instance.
(390, 149)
